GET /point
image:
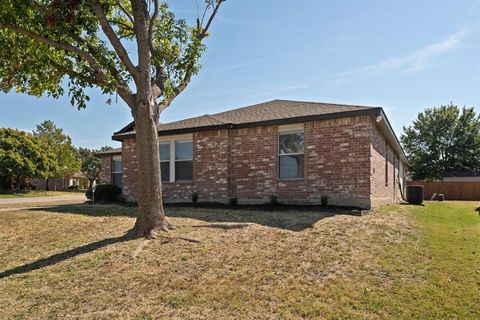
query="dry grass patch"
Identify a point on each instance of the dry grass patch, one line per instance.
(79, 265)
(5, 194)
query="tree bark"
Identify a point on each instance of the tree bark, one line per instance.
(151, 216)
(20, 179)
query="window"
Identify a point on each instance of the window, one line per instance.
(165, 160)
(117, 170)
(176, 159)
(183, 160)
(290, 154)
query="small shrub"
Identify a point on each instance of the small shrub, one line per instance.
(72, 188)
(194, 197)
(105, 193)
(274, 199)
(234, 200)
(33, 187)
(324, 200)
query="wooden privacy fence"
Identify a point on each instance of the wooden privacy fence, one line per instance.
(451, 190)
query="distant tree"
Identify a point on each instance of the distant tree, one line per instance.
(22, 155)
(137, 49)
(91, 165)
(442, 139)
(65, 160)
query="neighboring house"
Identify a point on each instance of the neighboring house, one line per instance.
(461, 175)
(295, 150)
(76, 181)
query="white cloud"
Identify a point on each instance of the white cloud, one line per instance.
(238, 66)
(415, 61)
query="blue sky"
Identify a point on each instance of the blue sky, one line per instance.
(402, 55)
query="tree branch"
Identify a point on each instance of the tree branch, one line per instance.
(73, 73)
(144, 83)
(152, 24)
(188, 75)
(129, 16)
(112, 37)
(204, 31)
(123, 24)
(59, 45)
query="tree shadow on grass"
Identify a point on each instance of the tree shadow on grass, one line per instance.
(293, 218)
(59, 257)
(93, 210)
(290, 217)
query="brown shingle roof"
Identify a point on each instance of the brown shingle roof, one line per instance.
(111, 151)
(262, 112)
(282, 109)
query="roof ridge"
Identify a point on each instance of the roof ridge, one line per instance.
(241, 108)
(329, 103)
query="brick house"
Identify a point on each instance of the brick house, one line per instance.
(295, 150)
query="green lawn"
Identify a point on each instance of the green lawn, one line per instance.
(400, 262)
(31, 194)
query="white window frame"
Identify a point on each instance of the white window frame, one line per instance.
(290, 129)
(172, 140)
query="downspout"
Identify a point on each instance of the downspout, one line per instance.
(401, 191)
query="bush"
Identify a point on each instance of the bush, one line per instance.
(324, 200)
(233, 201)
(274, 199)
(194, 197)
(72, 188)
(105, 193)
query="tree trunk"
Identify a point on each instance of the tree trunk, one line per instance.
(46, 183)
(19, 183)
(90, 184)
(151, 216)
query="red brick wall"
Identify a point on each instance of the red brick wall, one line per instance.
(254, 163)
(210, 165)
(337, 161)
(343, 160)
(210, 168)
(129, 169)
(106, 173)
(336, 164)
(383, 191)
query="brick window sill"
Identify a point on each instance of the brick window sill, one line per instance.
(178, 181)
(291, 179)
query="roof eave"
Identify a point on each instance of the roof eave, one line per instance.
(326, 116)
(393, 137)
(124, 136)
